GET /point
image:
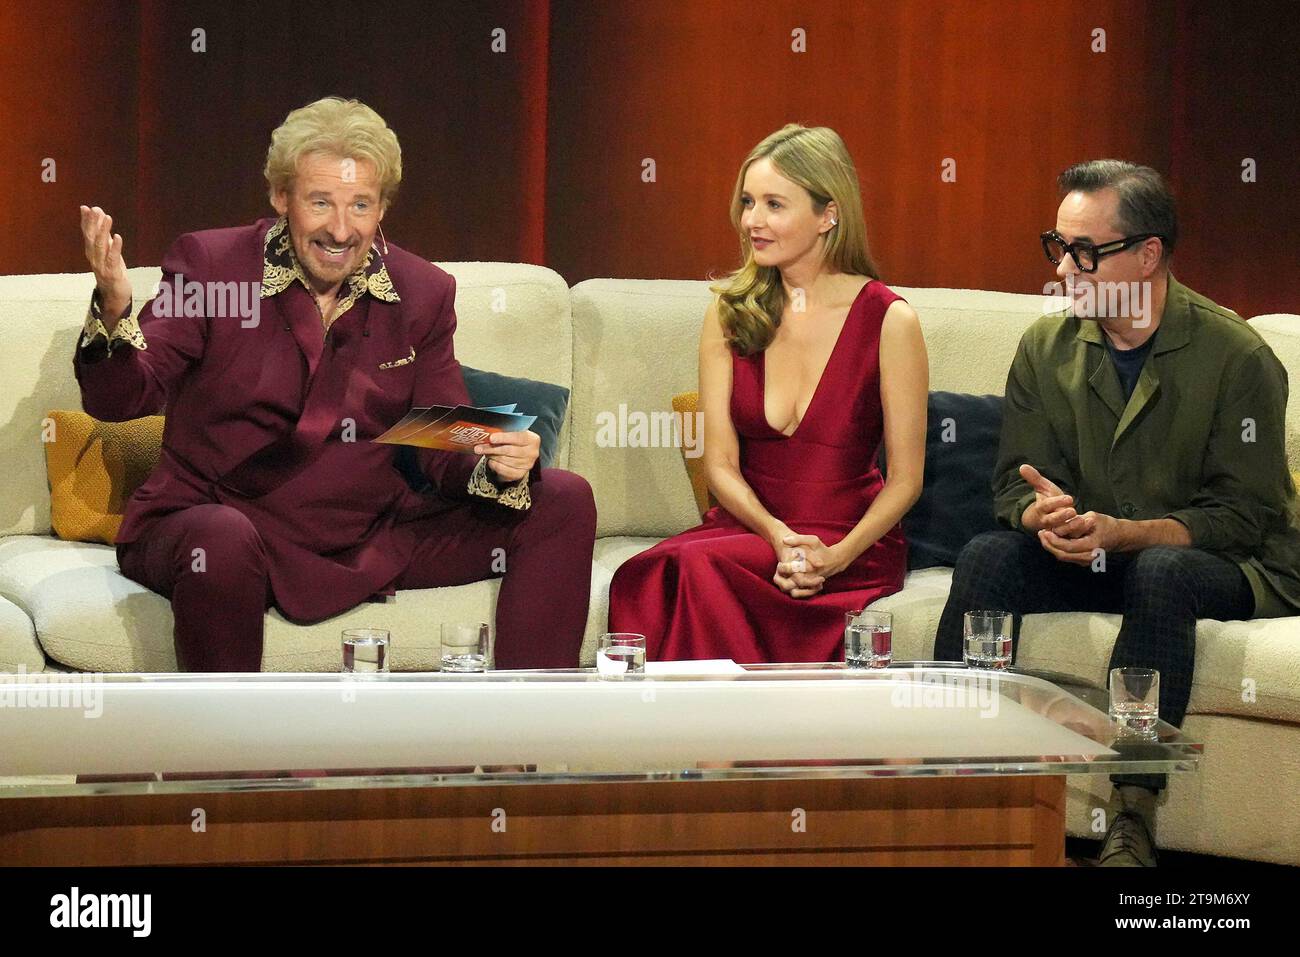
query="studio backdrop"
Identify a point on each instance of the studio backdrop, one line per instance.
(603, 137)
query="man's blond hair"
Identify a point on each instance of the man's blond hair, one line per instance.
(344, 128)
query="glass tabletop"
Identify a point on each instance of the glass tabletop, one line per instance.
(82, 734)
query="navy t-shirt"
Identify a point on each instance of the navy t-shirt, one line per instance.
(1129, 362)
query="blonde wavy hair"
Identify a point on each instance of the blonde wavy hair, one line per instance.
(750, 300)
(346, 128)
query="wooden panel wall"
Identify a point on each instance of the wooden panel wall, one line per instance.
(536, 154)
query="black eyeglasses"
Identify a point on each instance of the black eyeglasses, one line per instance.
(1087, 255)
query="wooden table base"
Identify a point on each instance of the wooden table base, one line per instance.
(935, 821)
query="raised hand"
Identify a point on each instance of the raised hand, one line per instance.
(104, 253)
(1051, 508)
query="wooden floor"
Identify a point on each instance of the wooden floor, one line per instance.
(904, 821)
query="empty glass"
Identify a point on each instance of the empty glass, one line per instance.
(365, 650)
(987, 639)
(466, 646)
(868, 639)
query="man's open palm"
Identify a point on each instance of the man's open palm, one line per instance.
(104, 253)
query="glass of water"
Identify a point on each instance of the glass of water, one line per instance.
(466, 646)
(1135, 699)
(365, 650)
(987, 637)
(868, 639)
(620, 653)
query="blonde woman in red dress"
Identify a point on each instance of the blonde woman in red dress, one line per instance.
(808, 363)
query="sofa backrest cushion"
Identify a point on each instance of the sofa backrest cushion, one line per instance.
(971, 336)
(636, 345)
(1282, 333)
(514, 319)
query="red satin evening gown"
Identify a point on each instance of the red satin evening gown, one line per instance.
(708, 592)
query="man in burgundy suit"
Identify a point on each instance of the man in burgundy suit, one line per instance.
(277, 351)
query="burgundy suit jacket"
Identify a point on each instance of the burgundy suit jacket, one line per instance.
(258, 418)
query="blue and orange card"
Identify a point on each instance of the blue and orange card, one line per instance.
(455, 428)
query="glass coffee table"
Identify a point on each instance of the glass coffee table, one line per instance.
(919, 763)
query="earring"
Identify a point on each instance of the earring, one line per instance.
(835, 222)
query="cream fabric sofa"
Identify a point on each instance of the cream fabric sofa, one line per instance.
(632, 343)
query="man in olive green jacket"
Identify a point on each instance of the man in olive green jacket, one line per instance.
(1142, 467)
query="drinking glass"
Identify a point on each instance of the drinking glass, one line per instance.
(620, 653)
(868, 639)
(1135, 699)
(365, 650)
(987, 637)
(465, 646)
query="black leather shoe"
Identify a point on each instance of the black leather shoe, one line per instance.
(1128, 843)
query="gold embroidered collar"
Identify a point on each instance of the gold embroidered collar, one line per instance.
(280, 267)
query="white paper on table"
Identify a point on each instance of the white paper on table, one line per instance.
(711, 666)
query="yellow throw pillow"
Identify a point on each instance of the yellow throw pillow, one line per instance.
(93, 469)
(688, 403)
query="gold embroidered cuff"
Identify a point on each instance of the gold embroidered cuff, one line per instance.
(127, 329)
(514, 495)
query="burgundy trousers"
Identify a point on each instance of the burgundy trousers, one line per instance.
(541, 608)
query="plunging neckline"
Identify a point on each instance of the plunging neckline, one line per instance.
(762, 372)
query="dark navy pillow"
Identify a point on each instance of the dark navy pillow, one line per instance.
(545, 400)
(956, 503)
